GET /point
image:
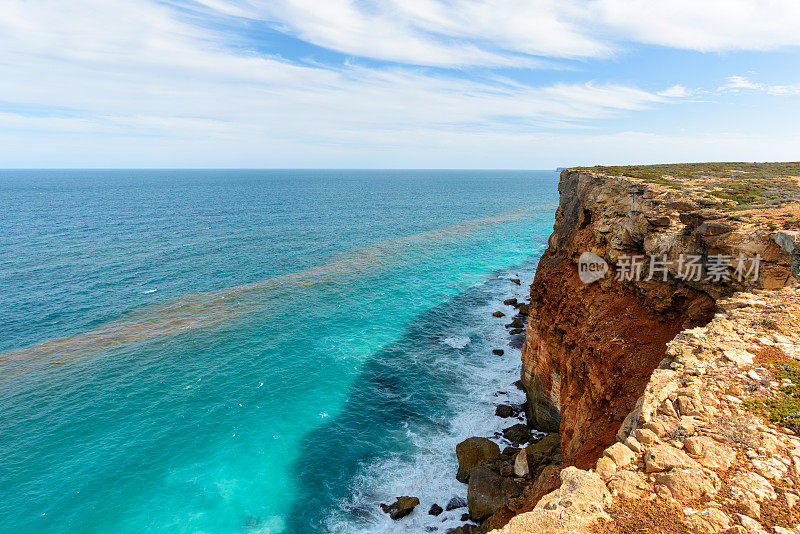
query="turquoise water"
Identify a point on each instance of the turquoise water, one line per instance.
(253, 351)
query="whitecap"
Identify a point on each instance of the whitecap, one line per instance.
(457, 342)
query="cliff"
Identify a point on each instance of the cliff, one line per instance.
(590, 348)
(625, 324)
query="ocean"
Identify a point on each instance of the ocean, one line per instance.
(248, 351)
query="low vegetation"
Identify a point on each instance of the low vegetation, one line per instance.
(785, 409)
(746, 185)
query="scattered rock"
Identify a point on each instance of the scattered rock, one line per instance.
(708, 521)
(473, 452)
(518, 434)
(504, 411)
(435, 510)
(516, 331)
(749, 523)
(605, 468)
(401, 507)
(750, 490)
(455, 503)
(688, 484)
(659, 221)
(516, 323)
(664, 457)
(620, 454)
(646, 437)
(516, 281)
(770, 468)
(488, 491)
(498, 313)
(521, 467)
(498, 352)
(510, 302)
(578, 503)
(545, 446)
(524, 309)
(714, 228)
(628, 485)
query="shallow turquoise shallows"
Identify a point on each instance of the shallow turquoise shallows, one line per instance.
(253, 351)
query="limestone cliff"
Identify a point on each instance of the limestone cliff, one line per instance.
(711, 446)
(591, 348)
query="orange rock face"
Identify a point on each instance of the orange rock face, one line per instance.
(591, 348)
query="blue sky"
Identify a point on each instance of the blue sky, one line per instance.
(397, 83)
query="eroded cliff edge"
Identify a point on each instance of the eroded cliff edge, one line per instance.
(591, 349)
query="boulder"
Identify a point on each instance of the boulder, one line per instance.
(546, 446)
(620, 454)
(545, 451)
(665, 457)
(488, 491)
(524, 309)
(521, 468)
(498, 352)
(510, 302)
(750, 490)
(646, 437)
(628, 485)
(455, 503)
(435, 510)
(688, 484)
(516, 323)
(474, 452)
(518, 434)
(714, 228)
(573, 508)
(788, 241)
(605, 468)
(499, 314)
(579, 489)
(708, 521)
(659, 221)
(504, 411)
(401, 507)
(710, 453)
(516, 281)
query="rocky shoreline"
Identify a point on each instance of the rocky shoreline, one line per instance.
(495, 479)
(663, 403)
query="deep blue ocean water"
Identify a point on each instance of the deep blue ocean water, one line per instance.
(253, 351)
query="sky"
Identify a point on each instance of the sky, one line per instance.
(497, 84)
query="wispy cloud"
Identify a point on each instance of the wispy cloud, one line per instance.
(499, 32)
(739, 83)
(165, 76)
(146, 70)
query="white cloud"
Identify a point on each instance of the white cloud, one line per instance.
(738, 83)
(676, 91)
(707, 25)
(95, 78)
(142, 71)
(497, 32)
